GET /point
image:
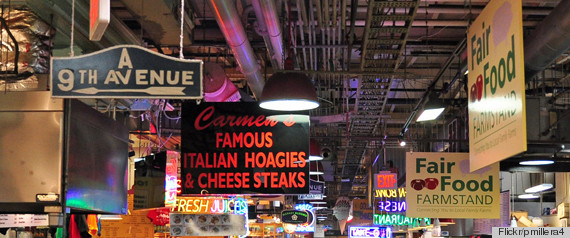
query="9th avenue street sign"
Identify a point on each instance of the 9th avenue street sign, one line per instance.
(126, 71)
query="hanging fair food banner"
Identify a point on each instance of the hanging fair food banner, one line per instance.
(497, 117)
(239, 148)
(126, 71)
(441, 186)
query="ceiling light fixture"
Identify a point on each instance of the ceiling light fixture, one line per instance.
(110, 217)
(318, 202)
(401, 140)
(528, 196)
(289, 92)
(536, 162)
(432, 109)
(539, 188)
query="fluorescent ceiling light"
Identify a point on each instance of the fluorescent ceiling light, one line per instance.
(315, 158)
(318, 202)
(528, 196)
(110, 217)
(289, 105)
(536, 162)
(316, 173)
(430, 114)
(539, 188)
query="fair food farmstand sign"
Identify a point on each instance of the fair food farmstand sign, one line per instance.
(126, 71)
(441, 186)
(239, 148)
(497, 117)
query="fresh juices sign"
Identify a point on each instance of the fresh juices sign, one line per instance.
(497, 119)
(441, 186)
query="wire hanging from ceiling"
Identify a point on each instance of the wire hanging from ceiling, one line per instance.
(181, 55)
(71, 53)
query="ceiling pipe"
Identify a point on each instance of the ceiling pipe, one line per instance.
(457, 9)
(230, 25)
(266, 12)
(549, 40)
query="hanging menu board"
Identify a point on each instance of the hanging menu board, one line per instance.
(23, 220)
(239, 148)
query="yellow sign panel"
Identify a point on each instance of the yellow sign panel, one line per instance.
(439, 185)
(497, 117)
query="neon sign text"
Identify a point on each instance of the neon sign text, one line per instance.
(386, 181)
(390, 193)
(392, 206)
(198, 205)
(399, 220)
(310, 225)
(369, 232)
(171, 176)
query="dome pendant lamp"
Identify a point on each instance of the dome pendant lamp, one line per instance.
(289, 92)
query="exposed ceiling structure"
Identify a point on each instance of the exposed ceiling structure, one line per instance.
(373, 63)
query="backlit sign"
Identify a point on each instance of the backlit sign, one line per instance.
(310, 225)
(369, 232)
(390, 193)
(171, 185)
(392, 206)
(99, 18)
(209, 205)
(294, 216)
(239, 148)
(399, 220)
(385, 181)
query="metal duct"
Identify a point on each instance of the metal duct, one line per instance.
(230, 25)
(266, 12)
(217, 86)
(25, 49)
(549, 40)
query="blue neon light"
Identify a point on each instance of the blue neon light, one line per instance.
(369, 232)
(392, 206)
(306, 227)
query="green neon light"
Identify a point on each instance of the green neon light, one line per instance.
(399, 220)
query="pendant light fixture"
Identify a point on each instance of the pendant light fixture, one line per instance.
(289, 91)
